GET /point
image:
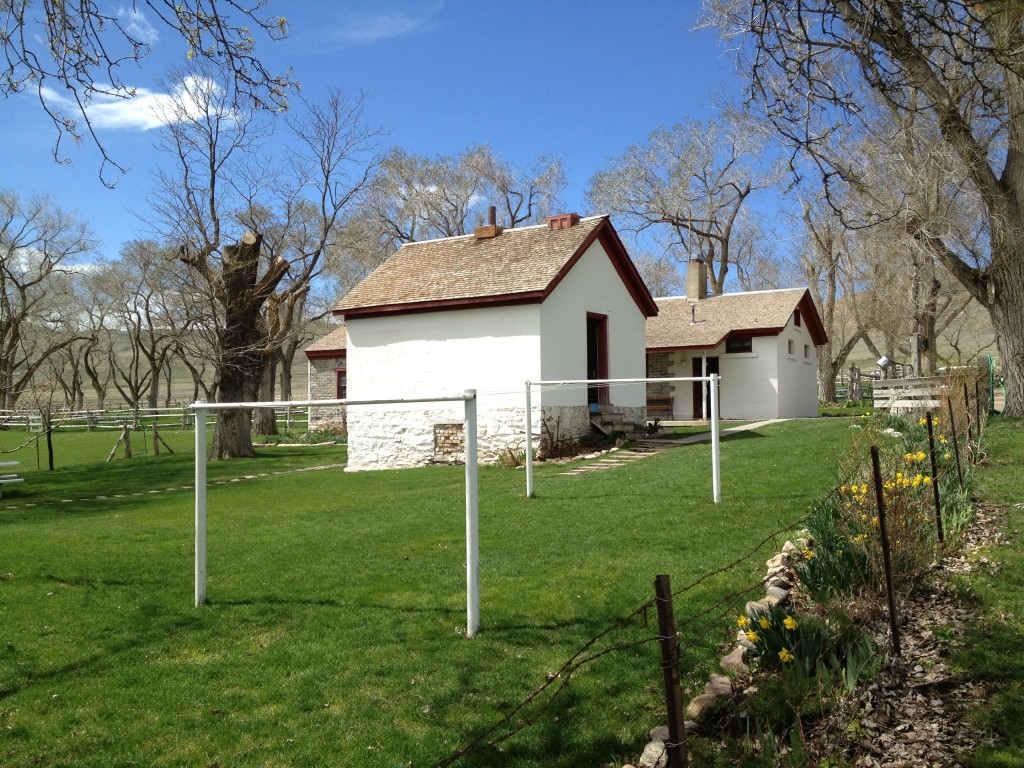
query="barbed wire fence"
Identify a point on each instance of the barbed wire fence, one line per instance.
(531, 710)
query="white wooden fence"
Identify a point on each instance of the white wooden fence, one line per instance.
(288, 417)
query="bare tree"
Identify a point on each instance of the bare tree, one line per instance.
(522, 196)
(413, 197)
(39, 244)
(253, 230)
(690, 180)
(825, 265)
(144, 296)
(953, 63)
(75, 54)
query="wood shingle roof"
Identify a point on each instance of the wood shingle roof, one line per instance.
(752, 313)
(333, 344)
(517, 266)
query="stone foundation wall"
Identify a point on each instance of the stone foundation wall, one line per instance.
(658, 367)
(394, 439)
(323, 385)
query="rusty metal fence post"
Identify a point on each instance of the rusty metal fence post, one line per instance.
(935, 478)
(956, 443)
(886, 558)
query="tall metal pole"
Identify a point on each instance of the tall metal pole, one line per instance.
(200, 483)
(472, 519)
(716, 451)
(529, 442)
(704, 385)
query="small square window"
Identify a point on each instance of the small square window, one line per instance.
(739, 345)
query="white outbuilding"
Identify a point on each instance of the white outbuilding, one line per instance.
(763, 344)
(489, 311)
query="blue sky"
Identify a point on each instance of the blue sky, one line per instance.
(579, 80)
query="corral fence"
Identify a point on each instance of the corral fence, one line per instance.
(288, 417)
(897, 389)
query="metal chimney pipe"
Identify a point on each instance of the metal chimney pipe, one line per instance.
(492, 216)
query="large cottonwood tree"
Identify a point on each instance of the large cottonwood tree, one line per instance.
(814, 67)
(253, 226)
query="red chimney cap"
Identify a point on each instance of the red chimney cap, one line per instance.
(563, 220)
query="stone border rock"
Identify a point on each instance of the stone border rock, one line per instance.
(779, 583)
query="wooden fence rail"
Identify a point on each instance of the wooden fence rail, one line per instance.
(182, 418)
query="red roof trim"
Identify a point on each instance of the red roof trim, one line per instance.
(738, 333)
(444, 305)
(809, 313)
(619, 257)
(325, 354)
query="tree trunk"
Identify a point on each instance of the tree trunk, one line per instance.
(826, 378)
(265, 419)
(1007, 315)
(241, 343)
(232, 436)
(287, 358)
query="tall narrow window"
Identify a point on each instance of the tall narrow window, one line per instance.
(796, 317)
(342, 383)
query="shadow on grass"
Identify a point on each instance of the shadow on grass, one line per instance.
(154, 626)
(557, 735)
(992, 654)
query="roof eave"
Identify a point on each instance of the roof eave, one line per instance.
(443, 305)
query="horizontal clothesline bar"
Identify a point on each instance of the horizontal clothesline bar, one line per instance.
(204, 406)
(593, 382)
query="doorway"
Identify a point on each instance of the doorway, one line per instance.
(702, 397)
(597, 357)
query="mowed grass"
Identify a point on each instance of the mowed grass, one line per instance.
(334, 634)
(992, 651)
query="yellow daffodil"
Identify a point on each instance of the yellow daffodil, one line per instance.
(790, 623)
(861, 538)
(765, 622)
(785, 656)
(752, 636)
(742, 622)
(809, 554)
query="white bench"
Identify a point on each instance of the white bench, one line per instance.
(4, 479)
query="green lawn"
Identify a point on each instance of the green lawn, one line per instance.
(994, 650)
(334, 633)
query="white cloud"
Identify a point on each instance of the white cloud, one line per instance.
(145, 109)
(386, 25)
(136, 25)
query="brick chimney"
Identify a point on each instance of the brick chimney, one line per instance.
(696, 280)
(563, 220)
(490, 229)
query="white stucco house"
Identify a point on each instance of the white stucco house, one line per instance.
(489, 311)
(762, 343)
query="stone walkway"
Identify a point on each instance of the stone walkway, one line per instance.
(641, 449)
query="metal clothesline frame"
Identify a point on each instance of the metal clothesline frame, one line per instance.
(469, 398)
(712, 381)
